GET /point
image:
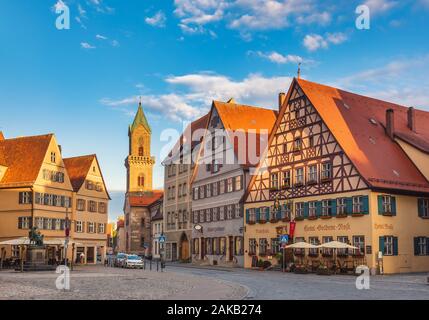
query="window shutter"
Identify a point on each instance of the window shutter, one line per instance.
(20, 198)
(381, 244)
(420, 207)
(427, 246)
(393, 203)
(247, 215)
(349, 205)
(395, 246)
(318, 208)
(416, 246)
(258, 210)
(365, 201)
(306, 210)
(20, 223)
(267, 213)
(279, 212)
(380, 204)
(333, 204)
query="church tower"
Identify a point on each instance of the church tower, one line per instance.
(139, 162)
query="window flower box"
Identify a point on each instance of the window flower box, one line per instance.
(323, 271)
(251, 222)
(298, 184)
(325, 217)
(387, 214)
(312, 218)
(285, 187)
(357, 214)
(286, 219)
(274, 220)
(341, 215)
(299, 218)
(326, 180)
(311, 182)
(262, 221)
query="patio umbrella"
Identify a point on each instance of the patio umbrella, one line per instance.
(336, 245)
(301, 245)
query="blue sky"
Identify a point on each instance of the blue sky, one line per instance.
(83, 83)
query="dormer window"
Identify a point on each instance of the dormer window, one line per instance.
(53, 157)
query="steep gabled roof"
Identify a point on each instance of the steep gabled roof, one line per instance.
(78, 169)
(140, 119)
(236, 117)
(358, 124)
(23, 157)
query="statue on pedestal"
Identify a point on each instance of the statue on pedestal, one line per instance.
(35, 237)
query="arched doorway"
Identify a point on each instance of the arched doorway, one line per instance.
(184, 247)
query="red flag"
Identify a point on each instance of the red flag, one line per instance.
(292, 229)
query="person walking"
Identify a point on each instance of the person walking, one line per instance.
(82, 258)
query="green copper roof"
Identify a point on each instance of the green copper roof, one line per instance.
(140, 119)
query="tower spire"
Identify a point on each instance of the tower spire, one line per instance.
(140, 118)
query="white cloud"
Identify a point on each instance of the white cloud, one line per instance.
(59, 5)
(380, 6)
(100, 37)
(196, 91)
(158, 20)
(278, 57)
(315, 42)
(86, 45)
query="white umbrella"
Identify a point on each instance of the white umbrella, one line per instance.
(336, 245)
(301, 245)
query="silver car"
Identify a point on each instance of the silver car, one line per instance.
(133, 261)
(120, 259)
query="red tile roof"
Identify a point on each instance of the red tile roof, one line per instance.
(23, 158)
(379, 159)
(77, 169)
(237, 117)
(145, 199)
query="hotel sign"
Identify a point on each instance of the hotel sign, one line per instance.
(383, 226)
(327, 227)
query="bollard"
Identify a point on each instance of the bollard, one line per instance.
(144, 265)
(150, 265)
(157, 265)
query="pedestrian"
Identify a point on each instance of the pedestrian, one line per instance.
(82, 258)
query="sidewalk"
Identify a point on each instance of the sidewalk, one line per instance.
(208, 267)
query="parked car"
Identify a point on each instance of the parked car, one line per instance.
(133, 261)
(120, 258)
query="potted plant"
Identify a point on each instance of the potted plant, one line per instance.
(323, 270)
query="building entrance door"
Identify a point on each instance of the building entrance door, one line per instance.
(184, 247)
(231, 248)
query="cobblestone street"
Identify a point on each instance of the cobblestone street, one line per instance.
(186, 282)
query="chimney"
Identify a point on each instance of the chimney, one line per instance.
(282, 98)
(390, 127)
(412, 119)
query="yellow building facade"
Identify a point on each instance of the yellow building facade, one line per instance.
(36, 189)
(335, 170)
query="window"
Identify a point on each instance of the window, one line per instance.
(314, 241)
(58, 224)
(229, 185)
(24, 198)
(252, 215)
(179, 191)
(215, 189)
(263, 244)
(343, 239)
(215, 214)
(252, 246)
(24, 222)
(312, 209)
(275, 246)
(299, 176)
(326, 171)
(89, 185)
(39, 223)
(341, 206)
(238, 209)
(222, 213)
(221, 186)
(229, 212)
(92, 206)
(223, 245)
(209, 190)
(421, 246)
(311, 141)
(357, 204)
(208, 216)
(297, 144)
(312, 173)
(91, 227)
(53, 157)
(286, 210)
(15, 251)
(195, 193)
(238, 183)
(141, 151)
(274, 181)
(80, 205)
(423, 208)
(326, 208)
(196, 246)
(299, 251)
(388, 246)
(327, 251)
(202, 189)
(299, 210)
(299, 112)
(102, 207)
(387, 204)
(101, 228)
(202, 216)
(359, 242)
(140, 180)
(286, 179)
(184, 190)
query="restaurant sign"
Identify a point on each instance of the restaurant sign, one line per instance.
(326, 227)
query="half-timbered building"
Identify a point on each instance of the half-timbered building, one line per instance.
(345, 167)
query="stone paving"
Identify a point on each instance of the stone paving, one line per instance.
(99, 283)
(184, 282)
